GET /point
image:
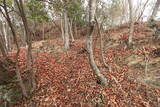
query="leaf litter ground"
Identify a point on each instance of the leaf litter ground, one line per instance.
(66, 79)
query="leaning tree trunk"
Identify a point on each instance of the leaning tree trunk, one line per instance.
(155, 10)
(93, 65)
(131, 30)
(6, 15)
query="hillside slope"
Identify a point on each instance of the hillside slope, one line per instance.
(66, 79)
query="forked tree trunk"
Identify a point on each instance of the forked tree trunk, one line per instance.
(102, 47)
(66, 31)
(27, 32)
(131, 30)
(100, 76)
(155, 10)
(29, 42)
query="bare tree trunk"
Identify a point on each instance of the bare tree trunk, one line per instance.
(6, 15)
(43, 31)
(29, 42)
(66, 30)
(70, 30)
(5, 35)
(92, 9)
(24, 35)
(2, 48)
(75, 29)
(34, 29)
(8, 37)
(28, 34)
(62, 29)
(155, 10)
(4, 40)
(101, 47)
(131, 30)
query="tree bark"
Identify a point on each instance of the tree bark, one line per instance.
(66, 31)
(75, 30)
(100, 76)
(43, 31)
(5, 35)
(28, 34)
(8, 37)
(62, 28)
(28, 40)
(70, 30)
(2, 49)
(4, 39)
(101, 47)
(131, 30)
(23, 38)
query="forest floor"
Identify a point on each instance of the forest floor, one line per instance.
(65, 79)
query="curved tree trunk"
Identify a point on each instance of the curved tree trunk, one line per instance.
(93, 65)
(101, 47)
